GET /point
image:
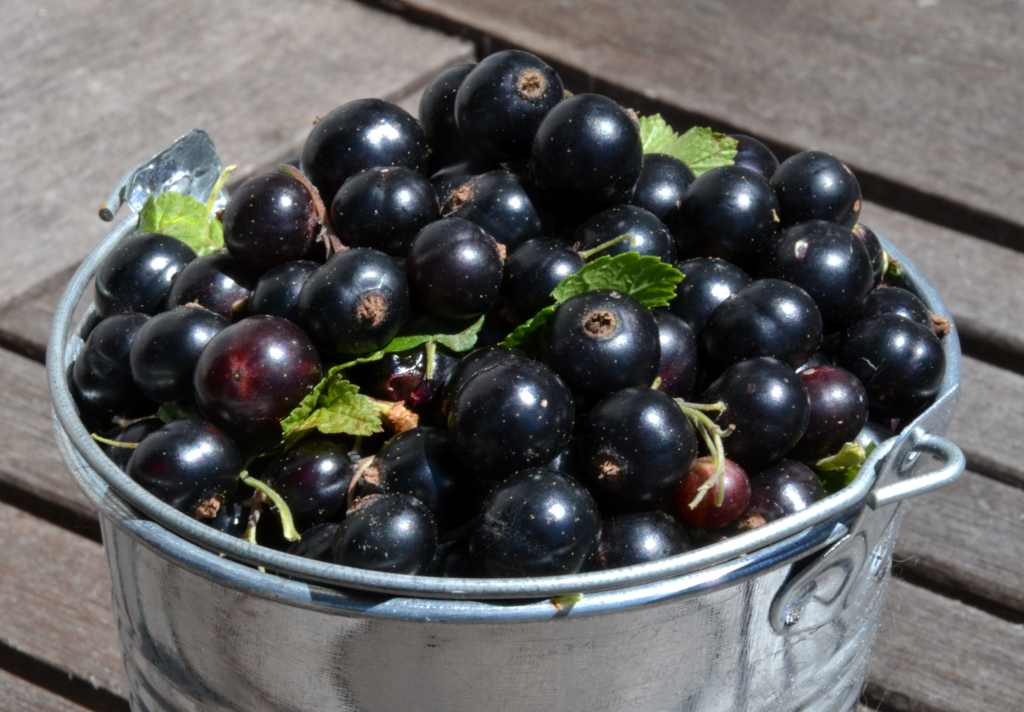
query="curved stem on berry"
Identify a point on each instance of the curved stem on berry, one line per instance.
(587, 254)
(712, 435)
(113, 443)
(255, 512)
(366, 469)
(218, 187)
(287, 522)
(430, 350)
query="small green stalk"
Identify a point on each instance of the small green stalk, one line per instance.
(430, 349)
(711, 433)
(219, 186)
(287, 523)
(114, 443)
(587, 254)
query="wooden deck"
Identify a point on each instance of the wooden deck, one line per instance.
(922, 98)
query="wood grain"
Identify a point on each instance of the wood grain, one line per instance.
(924, 95)
(935, 654)
(76, 112)
(18, 695)
(56, 600)
(989, 424)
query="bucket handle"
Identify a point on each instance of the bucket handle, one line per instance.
(951, 467)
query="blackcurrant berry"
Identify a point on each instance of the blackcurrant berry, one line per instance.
(277, 291)
(455, 270)
(232, 518)
(501, 102)
(838, 411)
(770, 317)
(186, 463)
(134, 432)
(783, 489)
(510, 415)
(270, 219)
(603, 341)
(394, 533)
(312, 478)
(707, 282)
(137, 275)
(383, 208)
(404, 377)
(447, 179)
(874, 247)
(900, 363)
(647, 234)
(316, 542)
(362, 134)
(102, 376)
(437, 115)
(167, 348)
(729, 212)
(498, 203)
(253, 373)
(814, 185)
(475, 362)
(587, 154)
(532, 271)
(661, 186)
(629, 539)
(677, 367)
(636, 447)
(420, 462)
(829, 263)
(218, 282)
(355, 303)
(766, 405)
(734, 488)
(896, 300)
(537, 523)
(752, 154)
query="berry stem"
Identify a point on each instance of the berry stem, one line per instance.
(712, 435)
(430, 349)
(587, 254)
(218, 186)
(287, 522)
(113, 443)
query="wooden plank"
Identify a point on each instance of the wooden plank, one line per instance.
(935, 654)
(255, 74)
(18, 695)
(989, 421)
(966, 538)
(851, 79)
(57, 600)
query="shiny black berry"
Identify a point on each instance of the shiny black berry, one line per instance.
(253, 373)
(677, 365)
(134, 432)
(829, 263)
(218, 282)
(766, 405)
(501, 102)
(420, 462)
(394, 533)
(316, 542)
(383, 208)
(137, 276)
(313, 478)
(186, 463)
(647, 234)
(362, 134)
(900, 363)
(270, 219)
(814, 185)
(498, 203)
(637, 446)
(477, 361)
(838, 411)
(447, 179)
(661, 186)
(729, 212)
(707, 282)
(769, 317)
(785, 488)
(437, 115)
(752, 154)
(408, 376)
(629, 539)
(167, 348)
(455, 270)
(277, 292)
(509, 415)
(602, 342)
(896, 300)
(532, 271)
(101, 377)
(355, 303)
(874, 247)
(587, 154)
(538, 523)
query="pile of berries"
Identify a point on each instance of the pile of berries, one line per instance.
(505, 339)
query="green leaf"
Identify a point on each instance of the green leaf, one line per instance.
(644, 277)
(700, 148)
(462, 341)
(839, 470)
(334, 406)
(185, 218)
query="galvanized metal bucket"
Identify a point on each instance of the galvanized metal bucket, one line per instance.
(781, 618)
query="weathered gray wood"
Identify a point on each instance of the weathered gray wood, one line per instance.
(56, 600)
(922, 94)
(91, 88)
(935, 654)
(18, 695)
(990, 421)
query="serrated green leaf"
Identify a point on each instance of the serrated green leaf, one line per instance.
(334, 406)
(644, 277)
(839, 470)
(183, 217)
(700, 148)
(459, 342)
